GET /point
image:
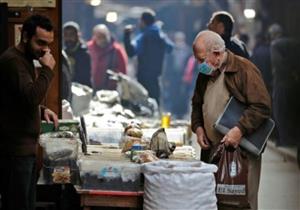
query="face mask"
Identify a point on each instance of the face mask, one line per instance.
(206, 69)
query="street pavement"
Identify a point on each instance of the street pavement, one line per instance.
(280, 182)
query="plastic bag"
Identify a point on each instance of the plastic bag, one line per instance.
(231, 177)
(160, 145)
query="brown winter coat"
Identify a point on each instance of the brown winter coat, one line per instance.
(243, 81)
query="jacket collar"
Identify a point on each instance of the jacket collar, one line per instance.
(231, 65)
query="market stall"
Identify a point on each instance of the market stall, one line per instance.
(103, 153)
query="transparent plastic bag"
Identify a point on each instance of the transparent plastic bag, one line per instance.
(60, 158)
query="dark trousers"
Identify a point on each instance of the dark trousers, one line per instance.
(17, 182)
(152, 86)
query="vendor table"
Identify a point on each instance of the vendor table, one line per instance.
(90, 198)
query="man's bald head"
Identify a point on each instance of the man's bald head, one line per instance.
(208, 41)
(208, 46)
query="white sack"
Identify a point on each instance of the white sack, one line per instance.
(179, 185)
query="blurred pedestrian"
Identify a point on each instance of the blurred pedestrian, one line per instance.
(285, 53)
(150, 46)
(262, 59)
(222, 22)
(223, 74)
(191, 71)
(77, 52)
(174, 92)
(22, 90)
(106, 53)
(244, 37)
(275, 32)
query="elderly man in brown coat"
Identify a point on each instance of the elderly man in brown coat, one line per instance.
(222, 75)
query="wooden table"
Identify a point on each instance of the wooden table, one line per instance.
(89, 198)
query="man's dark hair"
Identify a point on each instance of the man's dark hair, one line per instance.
(148, 17)
(225, 18)
(34, 21)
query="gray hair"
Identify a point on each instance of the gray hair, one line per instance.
(212, 41)
(102, 28)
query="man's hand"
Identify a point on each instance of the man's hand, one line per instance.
(51, 116)
(233, 137)
(202, 138)
(47, 60)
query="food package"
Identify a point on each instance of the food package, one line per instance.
(185, 152)
(61, 175)
(128, 141)
(132, 135)
(60, 155)
(144, 156)
(134, 132)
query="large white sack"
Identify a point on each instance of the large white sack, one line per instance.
(179, 185)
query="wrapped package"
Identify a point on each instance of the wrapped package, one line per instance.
(128, 141)
(144, 156)
(185, 152)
